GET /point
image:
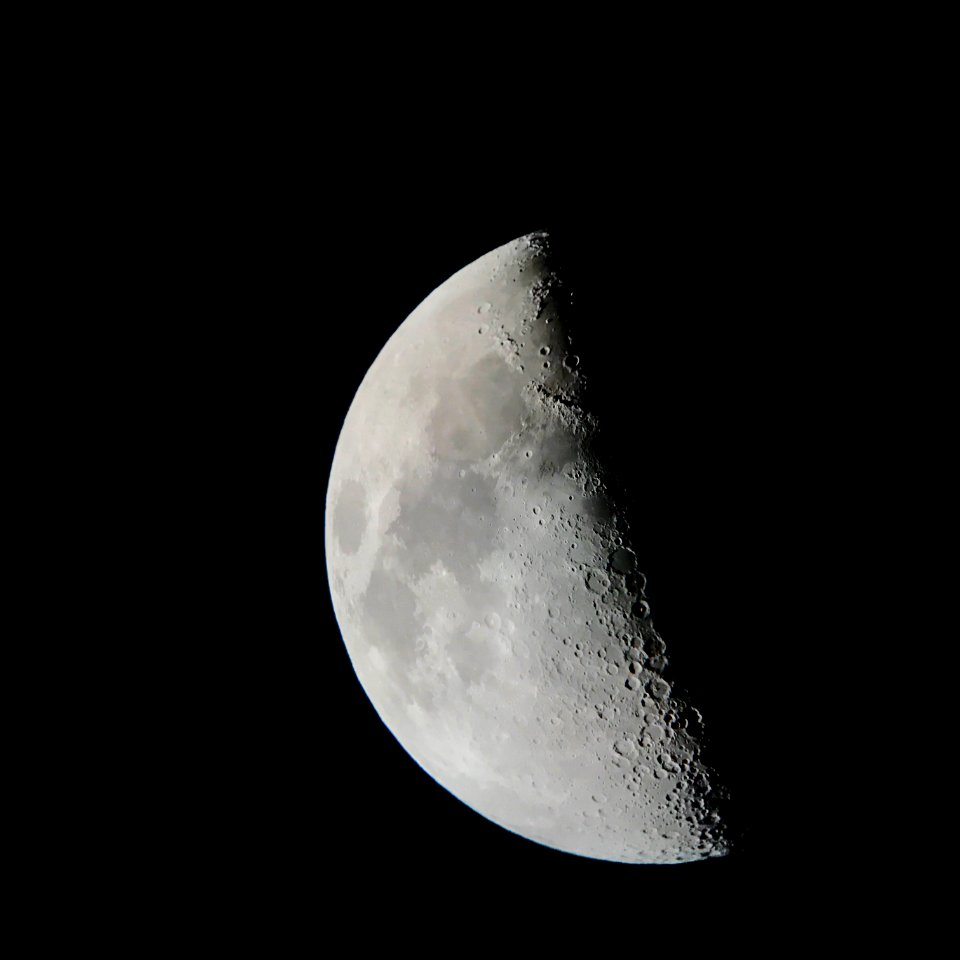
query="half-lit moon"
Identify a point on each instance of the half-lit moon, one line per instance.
(486, 586)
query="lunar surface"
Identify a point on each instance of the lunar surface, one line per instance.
(486, 584)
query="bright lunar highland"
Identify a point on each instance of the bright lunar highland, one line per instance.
(485, 581)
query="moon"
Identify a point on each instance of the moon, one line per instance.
(486, 584)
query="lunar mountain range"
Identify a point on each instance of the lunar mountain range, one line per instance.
(486, 585)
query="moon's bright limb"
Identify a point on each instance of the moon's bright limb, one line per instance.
(486, 587)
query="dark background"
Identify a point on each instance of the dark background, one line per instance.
(704, 351)
(717, 308)
(728, 247)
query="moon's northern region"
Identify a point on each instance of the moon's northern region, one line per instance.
(486, 587)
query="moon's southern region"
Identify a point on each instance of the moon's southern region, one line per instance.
(486, 587)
